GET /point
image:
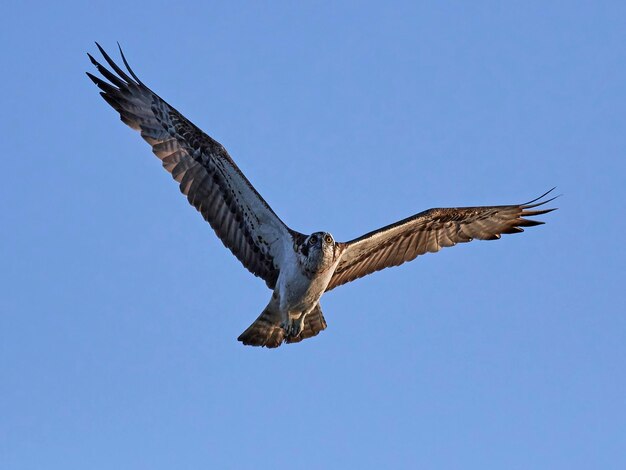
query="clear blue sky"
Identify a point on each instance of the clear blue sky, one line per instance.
(120, 309)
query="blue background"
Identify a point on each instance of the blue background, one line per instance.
(120, 308)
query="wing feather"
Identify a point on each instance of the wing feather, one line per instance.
(206, 174)
(428, 232)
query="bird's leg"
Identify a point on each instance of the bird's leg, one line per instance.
(294, 324)
(285, 323)
(297, 325)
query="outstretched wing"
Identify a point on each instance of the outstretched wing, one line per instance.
(209, 178)
(428, 232)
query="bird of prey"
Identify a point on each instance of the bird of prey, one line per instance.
(298, 268)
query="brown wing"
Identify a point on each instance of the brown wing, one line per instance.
(428, 232)
(207, 175)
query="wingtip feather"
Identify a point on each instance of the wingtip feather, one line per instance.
(130, 70)
(114, 66)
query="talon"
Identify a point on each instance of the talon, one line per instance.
(293, 327)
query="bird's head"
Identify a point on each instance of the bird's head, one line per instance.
(317, 251)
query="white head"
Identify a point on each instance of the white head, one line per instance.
(317, 252)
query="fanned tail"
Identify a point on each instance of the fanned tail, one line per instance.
(266, 330)
(314, 322)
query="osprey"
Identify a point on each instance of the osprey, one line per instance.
(298, 268)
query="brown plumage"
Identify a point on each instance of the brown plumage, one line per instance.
(205, 172)
(266, 330)
(428, 232)
(299, 268)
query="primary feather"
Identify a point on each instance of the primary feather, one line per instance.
(299, 268)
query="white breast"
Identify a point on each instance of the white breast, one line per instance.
(297, 292)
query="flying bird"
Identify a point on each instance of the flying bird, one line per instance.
(298, 268)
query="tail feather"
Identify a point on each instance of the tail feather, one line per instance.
(266, 330)
(314, 322)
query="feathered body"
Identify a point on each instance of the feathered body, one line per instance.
(298, 268)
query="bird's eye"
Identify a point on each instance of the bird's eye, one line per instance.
(313, 240)
(328, 239)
